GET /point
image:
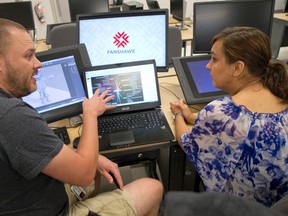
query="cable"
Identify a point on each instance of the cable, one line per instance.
(166, 76)
(193, 107)
(170, 91)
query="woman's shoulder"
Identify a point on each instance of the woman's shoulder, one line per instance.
(221, 105)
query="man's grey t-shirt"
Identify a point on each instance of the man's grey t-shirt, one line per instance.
(27, 145)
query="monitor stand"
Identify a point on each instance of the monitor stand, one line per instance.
(182, 26)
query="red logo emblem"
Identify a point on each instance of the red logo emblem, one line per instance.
(121, 39)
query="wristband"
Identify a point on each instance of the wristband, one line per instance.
(176, 114)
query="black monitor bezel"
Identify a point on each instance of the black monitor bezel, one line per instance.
(285, 9)
(176, 15)
(197, 50)
(131, 13)
(82, 60)
(14, 16)
(73, 13)
(187, 83)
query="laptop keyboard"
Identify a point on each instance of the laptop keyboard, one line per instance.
(148, 120)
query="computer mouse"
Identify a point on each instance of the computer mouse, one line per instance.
(76, 142)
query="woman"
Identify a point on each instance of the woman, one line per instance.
(239, 143)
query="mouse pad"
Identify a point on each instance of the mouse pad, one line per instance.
(121, 138)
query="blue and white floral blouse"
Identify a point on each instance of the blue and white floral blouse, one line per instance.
(240, 152)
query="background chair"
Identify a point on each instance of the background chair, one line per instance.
(153, 4)
(174, 43)
(63, 35)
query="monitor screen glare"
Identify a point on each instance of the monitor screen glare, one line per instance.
(125, 37)
(20, 12)
(210, 18)
(87, 7)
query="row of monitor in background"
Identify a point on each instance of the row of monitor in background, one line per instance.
(209, 18)
(140, 35)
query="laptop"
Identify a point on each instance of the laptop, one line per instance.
(136, 89)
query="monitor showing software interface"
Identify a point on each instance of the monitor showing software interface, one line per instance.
(125, 37)
(59, 85)
(129, 84)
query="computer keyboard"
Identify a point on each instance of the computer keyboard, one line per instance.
(62, 133)
(148, 120)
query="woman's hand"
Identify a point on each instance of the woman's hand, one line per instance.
(181, 106)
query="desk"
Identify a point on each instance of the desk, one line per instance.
(279, 23)
(159, 152)
(41, 46)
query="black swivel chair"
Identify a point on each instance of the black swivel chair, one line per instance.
(63, 35)
(174, 43)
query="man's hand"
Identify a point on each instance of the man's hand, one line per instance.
(105, 166)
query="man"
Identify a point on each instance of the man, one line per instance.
(35, 164)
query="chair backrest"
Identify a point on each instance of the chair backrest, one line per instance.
(153, 4)
(63, 35)
(174, 43)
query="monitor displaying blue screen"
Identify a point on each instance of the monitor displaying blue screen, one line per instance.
(201, 75)
(195, 80)
(125, 37)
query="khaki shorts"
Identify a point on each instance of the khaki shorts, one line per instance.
(114, 202)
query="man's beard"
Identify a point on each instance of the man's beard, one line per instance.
(15, 82)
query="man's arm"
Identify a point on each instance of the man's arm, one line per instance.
(79, 167)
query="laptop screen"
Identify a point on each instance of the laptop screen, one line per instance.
(60, 90)
(195, 79)
(134, 84)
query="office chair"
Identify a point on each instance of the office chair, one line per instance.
(153, 4)
(187, 203)
(174, 43)
(63, 35)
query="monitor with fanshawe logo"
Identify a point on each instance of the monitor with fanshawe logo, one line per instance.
(125, 37)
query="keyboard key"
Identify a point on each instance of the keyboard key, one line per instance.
(148, 120)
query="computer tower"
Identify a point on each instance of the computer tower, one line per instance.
(183, 175)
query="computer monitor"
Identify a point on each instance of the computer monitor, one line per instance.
(87, 7)
(178, 11)
(152, 4)
(60, 91)
(285, 9)
(210, 18)
(20, 12)
(195, 80)
(125, 37)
